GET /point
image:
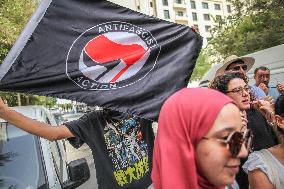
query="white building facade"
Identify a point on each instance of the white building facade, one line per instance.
(198, 13)
(144, 6)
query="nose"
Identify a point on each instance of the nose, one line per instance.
(243, 152)
(242, 71)
(266, 79)
(245, 93)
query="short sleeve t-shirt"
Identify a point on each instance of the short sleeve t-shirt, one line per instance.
(121, 145)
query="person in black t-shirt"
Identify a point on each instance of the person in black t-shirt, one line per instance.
(121, 144)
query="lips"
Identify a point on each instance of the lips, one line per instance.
(233, 168)
(245, 101)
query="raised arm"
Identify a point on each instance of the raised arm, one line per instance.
(32, 126)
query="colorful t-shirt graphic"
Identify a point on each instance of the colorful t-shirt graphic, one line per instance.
(127, 150)
(121, 145)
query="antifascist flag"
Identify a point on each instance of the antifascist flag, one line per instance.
(97, 52)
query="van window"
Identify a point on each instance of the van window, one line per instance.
(21, 164)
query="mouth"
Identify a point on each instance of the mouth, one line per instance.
(246, 101)
(234, 168)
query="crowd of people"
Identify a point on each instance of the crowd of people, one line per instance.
(227, 136)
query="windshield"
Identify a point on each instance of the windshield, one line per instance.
(58, 118)
(20, 160)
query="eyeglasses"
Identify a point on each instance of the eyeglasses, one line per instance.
(235, 140)
(238, 68)
(240, 90)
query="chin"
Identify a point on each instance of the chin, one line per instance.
(227, 181)
(224, 181)
(245, 106)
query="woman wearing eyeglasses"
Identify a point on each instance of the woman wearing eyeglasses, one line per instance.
(199, 142)
(235, 85)
(265, 168)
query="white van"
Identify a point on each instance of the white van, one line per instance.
(31, 162)
(272, 58)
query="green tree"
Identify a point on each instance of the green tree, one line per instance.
(12, 99)
(256, 25)
(202, 65)
(14, 15)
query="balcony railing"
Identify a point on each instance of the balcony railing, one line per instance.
(180, 5)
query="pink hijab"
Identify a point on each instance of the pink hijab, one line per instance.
(184, 119)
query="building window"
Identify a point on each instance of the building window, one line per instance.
(217, 6)
(138, 7)
(229, 9)
(205, 5)
(178, 1)
(207, 28)
(218, 17)
(166, 14)
(206, 16)
(194, 16)
(179, 13)
(192, 4)
(165, 2)
(151, 4)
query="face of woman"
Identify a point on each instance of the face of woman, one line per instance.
(238, 90)
(214, 160)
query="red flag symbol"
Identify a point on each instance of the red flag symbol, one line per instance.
(103, 50)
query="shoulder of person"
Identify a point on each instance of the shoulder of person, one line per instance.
(87, 118)
(255, 161)
(93, 114)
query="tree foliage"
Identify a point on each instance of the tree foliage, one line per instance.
(14, 14)
(202, 66)
(256, 25)
(13, 99)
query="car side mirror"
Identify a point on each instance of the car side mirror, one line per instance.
(79, 173)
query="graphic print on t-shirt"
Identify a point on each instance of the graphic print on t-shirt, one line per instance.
(127, 150)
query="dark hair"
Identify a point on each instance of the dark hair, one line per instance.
(279, 106)
(220, 83)
(263, 68)
(279, 110)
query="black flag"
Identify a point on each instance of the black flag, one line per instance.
(97, 52)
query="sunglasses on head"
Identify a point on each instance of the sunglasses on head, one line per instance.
(235, 140)
(238, 68)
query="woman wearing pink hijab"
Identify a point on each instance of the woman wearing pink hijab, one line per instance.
(200, 141)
